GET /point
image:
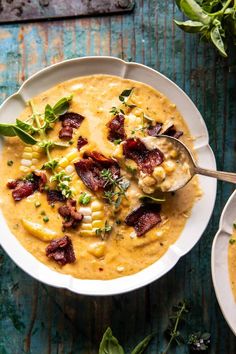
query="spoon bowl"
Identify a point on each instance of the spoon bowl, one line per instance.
(187, 165)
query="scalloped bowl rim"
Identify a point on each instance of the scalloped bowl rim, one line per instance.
(48, 77)
(219, 263)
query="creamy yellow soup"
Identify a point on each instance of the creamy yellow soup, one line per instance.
(232, 261)
(121, 252)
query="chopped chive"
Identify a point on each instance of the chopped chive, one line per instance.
(37, 204)
(10, 163)
(43, 212)
(232, 241)
(46, 219)
(234, 225)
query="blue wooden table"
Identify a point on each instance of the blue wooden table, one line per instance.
(38, 319)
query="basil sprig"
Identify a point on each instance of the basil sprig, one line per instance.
(215, 20)
(37, 124)
(111, 345)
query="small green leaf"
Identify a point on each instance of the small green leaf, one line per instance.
(218, 41)
(194, 11)
(109, 344)
(61, 107)
(149, 199)
(24, 136)
(24, 126)
(190, 26)
(142, 346)
(7, 129)
(49, 114)
(84, 198)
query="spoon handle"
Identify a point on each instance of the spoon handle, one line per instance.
(223, 176)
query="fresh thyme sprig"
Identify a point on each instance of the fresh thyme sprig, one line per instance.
(175, 319)
(103, 232)
(62, 180)
(123, 97)
(117, 187)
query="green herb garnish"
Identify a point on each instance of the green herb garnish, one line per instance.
(232, 241)
(62, 180)
(117, 141)
(234, 225)
(125, 95)
(145, 198)
(10, 163)
(46, 219)
(84, 198)
(115, 111)
(51, 165)
(131, 170)
(42, 213)
(118, 187)
(37, 204)
(215, 20)
(110, 344)
(103, 232)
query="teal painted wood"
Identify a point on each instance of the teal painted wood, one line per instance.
(38, 319)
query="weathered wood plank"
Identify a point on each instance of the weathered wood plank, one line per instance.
(35, 318)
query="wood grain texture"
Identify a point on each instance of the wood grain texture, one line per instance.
(38, 319)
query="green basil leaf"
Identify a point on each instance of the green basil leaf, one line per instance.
(126, 93)
(218, 41)
(61, 107)
(49, 114)
(24, 126)
(194, 11)
(190, 26)
(145, 198)
(109, 344)
(142, 346)
(24, 136)
(7, 129)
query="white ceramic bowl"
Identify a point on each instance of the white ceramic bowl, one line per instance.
(201, 212)
(219, 263)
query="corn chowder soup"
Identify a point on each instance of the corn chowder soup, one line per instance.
(70, 189)
(232, 260)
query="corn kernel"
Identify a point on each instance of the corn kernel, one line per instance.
(28, 149)
(26, 163)
(118, 153)
(86, 211)
(148, 181)
(97, 215)
(173, 154)
(147, 190)
(159, 174)
(35, 161)
(97, 249)
(85, 226)
(37, 148)
(73, 154)
(87, 233)
(87, 219)
(27, 155)
(169, 166)
(63, 162)
(69, 169)
(36, 155)
(24, 169)
(96, 205)
(97, 224)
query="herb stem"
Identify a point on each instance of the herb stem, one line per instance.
(221, 12)
(36, 119)
(174, 332)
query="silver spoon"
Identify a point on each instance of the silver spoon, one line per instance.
(193, 167)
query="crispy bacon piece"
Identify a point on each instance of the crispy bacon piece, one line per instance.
(81, 142)
(70, 214)
(89, 169)
(144, 218)
(172, 131)
(22, 188)
(69, 121)
(155, 130)
(146, 160)
(61, 251)
(116, 128)
(66, 133)
(54, 196)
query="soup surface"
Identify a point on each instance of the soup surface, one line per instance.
(88, 188)
(232, 260)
